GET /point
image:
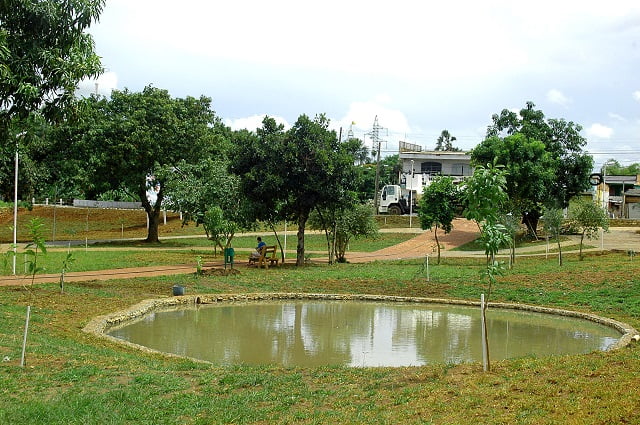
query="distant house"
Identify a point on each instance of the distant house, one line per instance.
(434, 163)
(620, 196)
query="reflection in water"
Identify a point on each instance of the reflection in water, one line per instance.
(314, 333)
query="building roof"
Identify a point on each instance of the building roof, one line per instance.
(436, 155)
(630, 180)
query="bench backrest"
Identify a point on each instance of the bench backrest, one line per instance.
(268, 251)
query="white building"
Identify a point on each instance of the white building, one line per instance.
(433, 163)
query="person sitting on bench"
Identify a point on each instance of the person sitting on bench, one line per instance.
(257, 253)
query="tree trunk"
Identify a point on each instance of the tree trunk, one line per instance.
(303, 215)
(275, 233)
(154, 220)
(581, 239)
(560, 250)
(435, 234)
(530, 219)
(153, 213)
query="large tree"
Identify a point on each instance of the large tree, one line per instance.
(319, 171)
(288, 174)
(128, 138)
(44, 53)
(544, 160)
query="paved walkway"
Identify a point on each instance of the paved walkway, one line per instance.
(618, 238)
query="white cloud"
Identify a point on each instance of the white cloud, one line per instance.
(599, 131)
(364, 114)
(617, 117)
(253, 122)
(636, 95)
(557, 97)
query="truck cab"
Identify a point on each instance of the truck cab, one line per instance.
(395, 200)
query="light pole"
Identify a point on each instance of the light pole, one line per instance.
(15, 206)
(411, 198)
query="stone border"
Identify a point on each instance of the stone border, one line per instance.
(101, 324)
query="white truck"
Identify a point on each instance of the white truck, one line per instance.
(401, 199)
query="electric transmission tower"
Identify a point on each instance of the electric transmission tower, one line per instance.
(375, 137)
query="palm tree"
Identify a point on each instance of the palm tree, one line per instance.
(445, 142)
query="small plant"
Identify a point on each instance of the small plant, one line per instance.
(198, 265)
(631, 253)
(37, 243)
(66, 265)
(7, 258)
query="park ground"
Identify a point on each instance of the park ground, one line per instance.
(75, 378)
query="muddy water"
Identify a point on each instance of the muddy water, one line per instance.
(312, 333)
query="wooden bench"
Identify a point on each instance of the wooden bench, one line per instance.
(267, 257)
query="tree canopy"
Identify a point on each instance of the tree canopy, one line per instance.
(136, 134)
(44, 53)
(290, 173)
(445, 142)
(544, 160)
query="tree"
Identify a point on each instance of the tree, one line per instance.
(255, 160)
(553, 220)
(529, 172)
(390, 168)
(445, 142)
(205, 193)
(44, 53)
(613, 168)
(342, 225)
(588, 218)
(484, 198)
(544, 159)
(438, 206)
(138, 134)
(291, 173)
(319, 171)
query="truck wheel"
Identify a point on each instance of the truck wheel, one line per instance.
(394, 210)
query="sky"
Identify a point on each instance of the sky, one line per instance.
(418, 66)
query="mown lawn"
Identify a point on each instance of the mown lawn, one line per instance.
(75, 378)
(115, 255)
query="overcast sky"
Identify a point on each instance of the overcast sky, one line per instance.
(419, 66)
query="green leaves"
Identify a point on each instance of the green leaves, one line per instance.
(35, 227)
(45, 53)
(543, 158)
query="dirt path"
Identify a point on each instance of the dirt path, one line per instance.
(424, 243)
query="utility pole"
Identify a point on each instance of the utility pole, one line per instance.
(375, 137)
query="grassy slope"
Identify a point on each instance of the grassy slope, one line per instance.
(72, 377)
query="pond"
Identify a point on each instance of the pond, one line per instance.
(358, 333)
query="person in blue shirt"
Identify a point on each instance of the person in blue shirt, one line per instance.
(256, 253)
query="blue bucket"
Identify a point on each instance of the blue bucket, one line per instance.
(178, 290)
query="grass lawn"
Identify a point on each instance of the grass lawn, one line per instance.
(75, 378)
(116, 255)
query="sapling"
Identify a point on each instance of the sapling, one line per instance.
(66, 265)
(37, 243)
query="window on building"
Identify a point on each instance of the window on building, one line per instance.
(460, 170)
(431, 168)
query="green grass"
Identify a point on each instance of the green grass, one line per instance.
(75, 378)
(177, 251)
